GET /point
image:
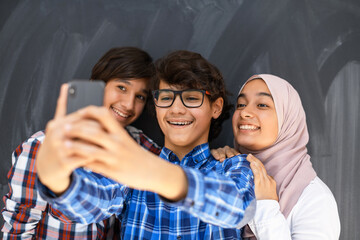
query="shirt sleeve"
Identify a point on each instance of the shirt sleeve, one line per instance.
(23, 206)
(315, 216)
(269, 223)
(96, 197)
(224, 199)
(90, 197)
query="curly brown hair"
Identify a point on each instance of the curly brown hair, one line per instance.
(190, 70)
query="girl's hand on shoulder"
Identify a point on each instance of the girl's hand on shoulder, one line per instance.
(265, 185)
(221, 154)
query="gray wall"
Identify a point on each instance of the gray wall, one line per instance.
(313, 44)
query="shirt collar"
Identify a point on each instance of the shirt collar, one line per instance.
(199, 154)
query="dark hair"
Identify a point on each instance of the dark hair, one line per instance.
(190, 70)
(125, 63)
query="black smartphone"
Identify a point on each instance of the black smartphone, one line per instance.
(82, 93)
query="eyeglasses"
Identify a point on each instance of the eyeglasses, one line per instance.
(191, 98)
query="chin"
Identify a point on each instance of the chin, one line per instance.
(179, 142)
(247, 145)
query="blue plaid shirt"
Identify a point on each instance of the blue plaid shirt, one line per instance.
(219, 202)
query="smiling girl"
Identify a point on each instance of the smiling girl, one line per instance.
(269, 124)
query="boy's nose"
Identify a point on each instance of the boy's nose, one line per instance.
(177, 105)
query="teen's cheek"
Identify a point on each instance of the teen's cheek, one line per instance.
(235, 118)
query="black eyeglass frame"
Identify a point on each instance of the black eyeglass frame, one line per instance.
(154, 92)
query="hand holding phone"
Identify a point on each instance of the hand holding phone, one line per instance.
(82, 93)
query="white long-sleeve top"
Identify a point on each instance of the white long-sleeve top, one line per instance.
(314, 216)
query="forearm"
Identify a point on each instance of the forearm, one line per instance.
(166, 179)
(269, 222)
(314, 216)
(222, 199)
(90, 198)
(59, 186)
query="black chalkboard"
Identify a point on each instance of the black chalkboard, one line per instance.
(313, 44)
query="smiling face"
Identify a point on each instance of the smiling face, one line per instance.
(255, 123)
(126, 98)
(185, 128)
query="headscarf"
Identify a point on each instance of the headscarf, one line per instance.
(287, 160)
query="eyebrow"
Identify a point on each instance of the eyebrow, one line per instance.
(124, 81)
(128, 82)
(258, 94)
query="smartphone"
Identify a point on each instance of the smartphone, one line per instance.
(82, 93)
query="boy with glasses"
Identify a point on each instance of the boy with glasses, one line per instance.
(184, 194)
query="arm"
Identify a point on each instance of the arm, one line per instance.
(90, 197)
(23, 206)
(119, 157)
(223, 196)
(314, 216)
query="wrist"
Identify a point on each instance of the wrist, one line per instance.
(58, 187)
(168, 180)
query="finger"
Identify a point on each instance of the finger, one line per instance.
(103, 116)
(215, 153)
(75, 162)
(252, 158)
(219, 154)
(61, 102)
(231, 151)
(254, 168)
(92, 132)
(84, 150)
(98, 167)
(235, 152)
(258, 168)
(228, 152)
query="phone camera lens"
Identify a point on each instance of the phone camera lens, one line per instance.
(72, 91)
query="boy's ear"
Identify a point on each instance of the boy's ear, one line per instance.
(217, 107)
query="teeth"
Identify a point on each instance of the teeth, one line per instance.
(248, 127)
(180, 123)
(121, 114)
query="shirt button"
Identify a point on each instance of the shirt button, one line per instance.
(178, 237)
(217, 214)
(192, 203)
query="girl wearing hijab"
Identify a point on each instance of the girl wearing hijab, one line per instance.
(269, 124)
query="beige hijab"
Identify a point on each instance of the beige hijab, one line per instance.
(286, 160)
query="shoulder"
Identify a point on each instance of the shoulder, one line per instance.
(316, 212)
(36, 137)
(316, 202)
(143, 139)
(133, 131)
(317, 190)
(237, 160)
(30, 145)
(236, 165)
